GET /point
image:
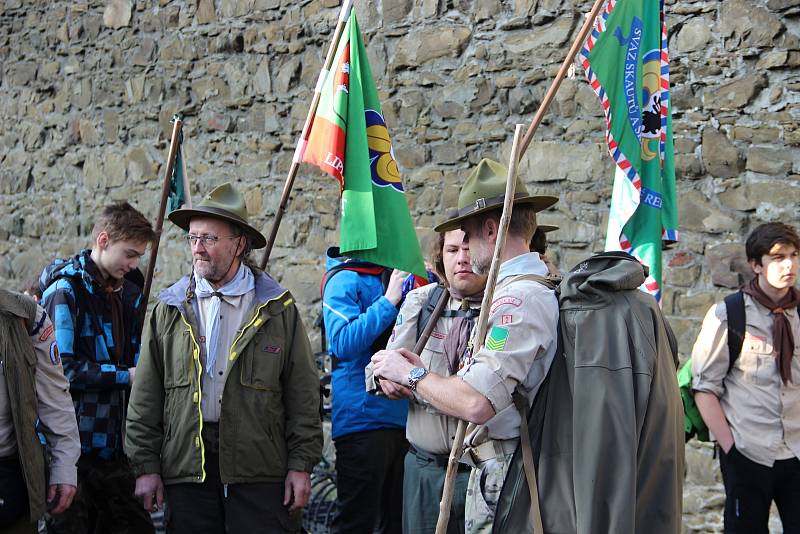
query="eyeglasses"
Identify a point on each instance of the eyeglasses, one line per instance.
(208, 241)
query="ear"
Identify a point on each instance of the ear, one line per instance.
(491, 228)
(241, 243)
(757, 268)
(102, 240)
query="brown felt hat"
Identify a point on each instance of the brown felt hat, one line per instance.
(224, 203)
(485, 190)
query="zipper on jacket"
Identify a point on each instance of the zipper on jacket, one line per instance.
(197, 397)
(255, 320)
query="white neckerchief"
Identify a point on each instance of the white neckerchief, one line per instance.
(242, 283)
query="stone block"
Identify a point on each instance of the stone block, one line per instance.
(421, 46)
(287, 77)
(548, 161)
(720, 157)
(751, 196)
(750, 25)
(140, 164)
(694, 35)
(728, 264)
(396, 10)
(758, 134)
(735, 94)
(696, 305)
(88, 132)
(235, 8)
(768, 160)
(117, 14)
(206, 12)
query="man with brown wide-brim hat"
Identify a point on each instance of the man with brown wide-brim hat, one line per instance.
(520, 342)
(224, 412)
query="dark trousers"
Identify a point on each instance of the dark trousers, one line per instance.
(423, 482)
(104, 502)
(206, 508)
(369, 481)
(750, 489)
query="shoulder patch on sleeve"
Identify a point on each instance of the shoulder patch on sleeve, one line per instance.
(496, 340)
(505, 300)
(55, 357)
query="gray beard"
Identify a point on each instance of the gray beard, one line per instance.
(480, 266)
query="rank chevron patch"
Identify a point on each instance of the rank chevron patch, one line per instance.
(496, 340)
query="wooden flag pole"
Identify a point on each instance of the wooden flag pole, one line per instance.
(483, 321)
(298, 153)
(562, 72)
(151, 265)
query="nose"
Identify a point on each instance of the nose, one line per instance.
(197, 246)
(463, 256)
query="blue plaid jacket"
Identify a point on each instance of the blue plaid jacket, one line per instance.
(81, 313)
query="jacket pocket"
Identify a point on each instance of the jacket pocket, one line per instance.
(262, 364)
(176, 369)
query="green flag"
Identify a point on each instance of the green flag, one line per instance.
(177, 195)
(349, 140)
(627, 64)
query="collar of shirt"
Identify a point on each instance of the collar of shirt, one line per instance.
(529, 263)
(789, 312)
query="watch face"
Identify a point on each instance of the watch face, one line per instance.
(417, 372)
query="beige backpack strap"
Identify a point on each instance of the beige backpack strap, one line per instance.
(547, 281)
(527, 462)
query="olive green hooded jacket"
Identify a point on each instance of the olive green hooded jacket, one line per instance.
(607, 425)
(269, 418)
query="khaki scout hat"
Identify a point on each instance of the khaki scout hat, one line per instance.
(224, 203)
(485, 190)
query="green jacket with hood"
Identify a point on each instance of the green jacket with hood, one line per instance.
(606, 427)
(269, 417)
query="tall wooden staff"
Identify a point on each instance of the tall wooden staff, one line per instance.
(483, 321)
(458, 441)
(151, 265)
(298, 153)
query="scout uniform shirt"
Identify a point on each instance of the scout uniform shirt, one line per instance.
(762, 411)
(55, 409)
(232, 312)
(426, 429)
(521, 339)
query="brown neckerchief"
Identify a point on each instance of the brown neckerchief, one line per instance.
(455, 344)
(782, 338)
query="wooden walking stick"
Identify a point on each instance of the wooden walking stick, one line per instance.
(483, 321)
(151, 265)
(298, 153)
(551, 92)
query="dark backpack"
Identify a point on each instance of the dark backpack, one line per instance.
(693, 424)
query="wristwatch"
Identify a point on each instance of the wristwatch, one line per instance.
(415, 375)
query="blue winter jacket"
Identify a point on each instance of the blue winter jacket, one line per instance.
(355, 314)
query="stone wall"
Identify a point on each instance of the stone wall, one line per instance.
(87, 90)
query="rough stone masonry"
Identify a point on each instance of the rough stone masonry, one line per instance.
(87, 89)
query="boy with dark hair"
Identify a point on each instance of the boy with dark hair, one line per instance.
(751, 403)
(97, 316)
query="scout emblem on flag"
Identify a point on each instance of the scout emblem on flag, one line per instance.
(627, 63)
